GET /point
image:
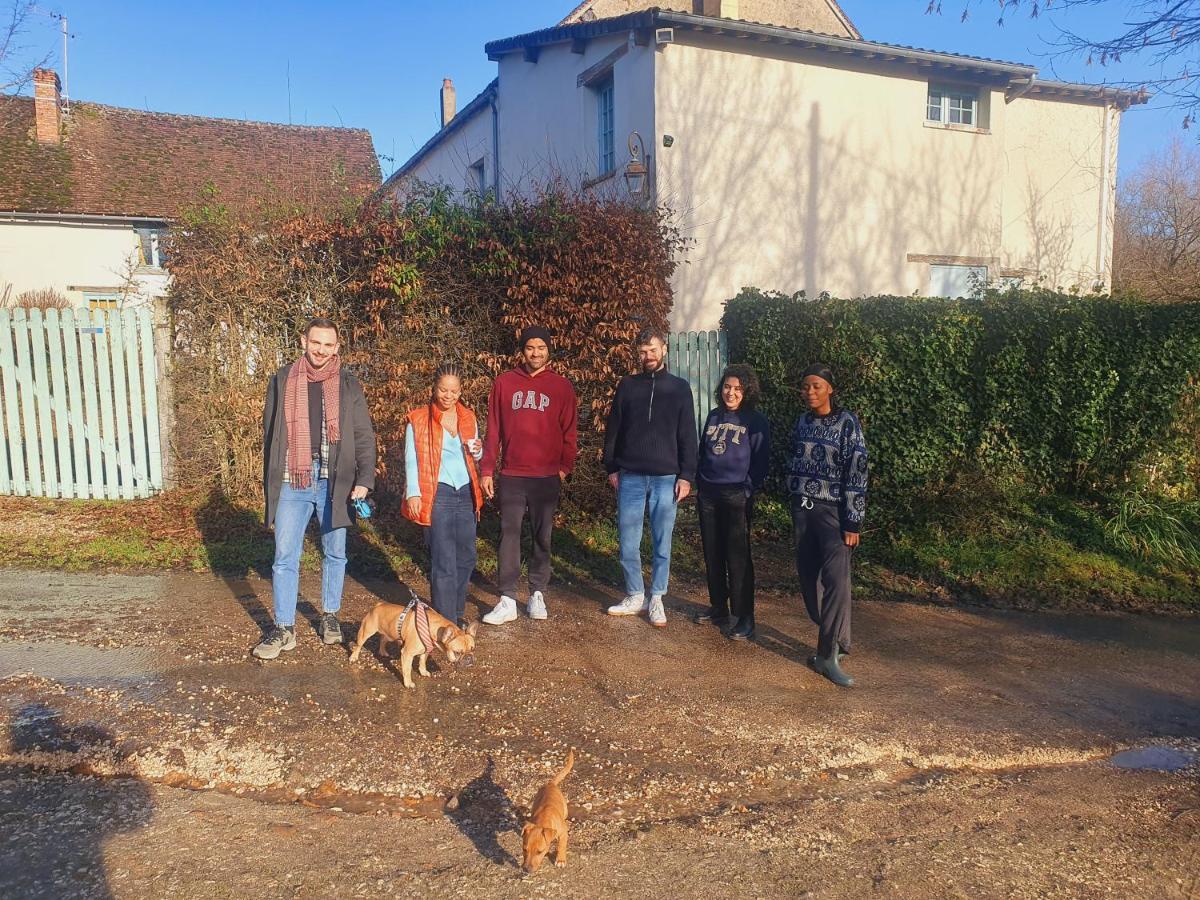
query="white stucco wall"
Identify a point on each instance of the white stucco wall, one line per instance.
(450, 162)
(70, 257)
(790, 174)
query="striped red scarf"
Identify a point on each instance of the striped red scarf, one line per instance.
(295, 406)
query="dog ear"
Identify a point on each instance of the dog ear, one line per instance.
(444, 634)
(529, 826)
(473, 629)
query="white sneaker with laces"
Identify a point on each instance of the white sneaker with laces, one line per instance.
(658, 615)
(504, 611)
(537, 605)
(630, 606)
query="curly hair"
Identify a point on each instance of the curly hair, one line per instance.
(751, 389)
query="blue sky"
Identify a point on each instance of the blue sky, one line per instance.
(379, 65)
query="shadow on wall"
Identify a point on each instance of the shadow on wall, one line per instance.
(787, 192)
(56, 824)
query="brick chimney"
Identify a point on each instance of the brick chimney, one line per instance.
(47, 106)
(719, 9)
(449, 102)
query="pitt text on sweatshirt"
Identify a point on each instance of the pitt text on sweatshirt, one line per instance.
(735, 448)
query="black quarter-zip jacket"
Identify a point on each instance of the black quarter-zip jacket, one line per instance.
(652, 427)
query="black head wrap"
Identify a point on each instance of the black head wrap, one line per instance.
(821, 371)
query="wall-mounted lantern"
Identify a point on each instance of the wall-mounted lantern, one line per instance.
(636, 172)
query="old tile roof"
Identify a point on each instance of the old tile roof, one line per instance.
(125, 162)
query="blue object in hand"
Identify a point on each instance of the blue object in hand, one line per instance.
(363, 508)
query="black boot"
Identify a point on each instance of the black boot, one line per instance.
(743, 630)
(712, 616)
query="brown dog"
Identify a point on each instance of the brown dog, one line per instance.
(547, 821)
(383, 620)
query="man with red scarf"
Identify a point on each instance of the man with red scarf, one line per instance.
(318, 457)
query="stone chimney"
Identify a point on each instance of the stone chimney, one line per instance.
(47, 106)
(719, 9)
(449, 107)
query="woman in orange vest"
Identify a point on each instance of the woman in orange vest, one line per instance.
(442, 447)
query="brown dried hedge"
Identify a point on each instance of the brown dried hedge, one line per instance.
(413, 283)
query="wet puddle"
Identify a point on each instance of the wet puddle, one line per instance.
(79, 663)
(1157, 759)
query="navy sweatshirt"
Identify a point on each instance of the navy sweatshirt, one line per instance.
(735, 448)
(829, 464)
(652, 427)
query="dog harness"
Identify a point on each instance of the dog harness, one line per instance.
(423, 633)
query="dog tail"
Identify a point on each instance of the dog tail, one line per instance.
(566, 769)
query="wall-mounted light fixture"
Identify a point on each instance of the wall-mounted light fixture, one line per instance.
(636, 171)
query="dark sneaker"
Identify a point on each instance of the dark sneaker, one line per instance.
(743, 630)
(712, 617)
(330, 629)
(278, 639)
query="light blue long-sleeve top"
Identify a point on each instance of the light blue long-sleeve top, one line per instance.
(453, 470)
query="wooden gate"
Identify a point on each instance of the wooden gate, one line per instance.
(79, 404)
(700, 357)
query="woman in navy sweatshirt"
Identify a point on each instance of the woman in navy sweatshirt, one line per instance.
(735, 450)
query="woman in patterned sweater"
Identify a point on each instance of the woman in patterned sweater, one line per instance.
(827, 478)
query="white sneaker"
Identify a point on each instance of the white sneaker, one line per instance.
(658, 615)
(504, 611)
(630, 606)
(537, 605)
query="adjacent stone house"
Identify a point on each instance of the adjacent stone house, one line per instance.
(795, 154)
(87, 190)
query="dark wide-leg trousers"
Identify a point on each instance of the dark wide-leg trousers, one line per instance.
(539, 496)
(725, 533)
(451, 537)
(823, 564)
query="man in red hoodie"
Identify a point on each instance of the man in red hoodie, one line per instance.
(531, 433)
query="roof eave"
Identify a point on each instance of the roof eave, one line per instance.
(481, 101)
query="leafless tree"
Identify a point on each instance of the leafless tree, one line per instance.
(1156, 246)
(1164, 34)
(16, 62)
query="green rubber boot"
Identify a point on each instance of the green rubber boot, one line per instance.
(828, 666)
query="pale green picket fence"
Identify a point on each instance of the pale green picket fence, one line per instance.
(79, 404)
(700, 357)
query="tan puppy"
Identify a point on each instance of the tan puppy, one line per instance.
(383, 620)
(547, 821)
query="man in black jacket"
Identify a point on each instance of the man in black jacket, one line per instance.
(318, 457)
(650, 446)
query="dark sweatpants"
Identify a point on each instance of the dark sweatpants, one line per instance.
(540, 497)
(725, 533)
(451, 537)
(823, 564)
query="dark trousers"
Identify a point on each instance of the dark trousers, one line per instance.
(823, 564)
(725, 533)
(540, 497)
(451, 537)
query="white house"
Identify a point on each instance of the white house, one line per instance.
(795, 154)
(87, 190)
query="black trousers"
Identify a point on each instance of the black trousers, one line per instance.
(725, 513)
(823, 564)
(539, 496)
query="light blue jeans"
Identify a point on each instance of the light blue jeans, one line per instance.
(296, 507)
(633, 493)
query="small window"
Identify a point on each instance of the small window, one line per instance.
(150, 250)
(476, 178)
(952, 106)
(606, 151)
(98, 300)
(957, 281)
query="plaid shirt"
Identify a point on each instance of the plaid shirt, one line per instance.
(324, 455)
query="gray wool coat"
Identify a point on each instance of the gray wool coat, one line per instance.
(352, 459)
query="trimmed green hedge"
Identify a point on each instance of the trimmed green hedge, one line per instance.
(1060, 392)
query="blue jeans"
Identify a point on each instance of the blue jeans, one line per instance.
(451, 537)
(633, 492)
(296, 507)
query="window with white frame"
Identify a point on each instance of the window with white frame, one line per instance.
(952, 106)
(476, 178)
(150, 250)
(957, 281)
(605, 127)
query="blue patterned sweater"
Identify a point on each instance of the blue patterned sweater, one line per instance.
(829, 464)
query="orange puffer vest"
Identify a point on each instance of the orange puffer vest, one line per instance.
(427, 435)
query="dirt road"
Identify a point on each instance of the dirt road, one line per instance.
(143, 753)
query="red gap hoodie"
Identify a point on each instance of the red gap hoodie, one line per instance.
(531, 426)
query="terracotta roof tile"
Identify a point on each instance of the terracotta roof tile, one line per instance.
(125, 162)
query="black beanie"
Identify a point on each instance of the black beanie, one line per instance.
(821, 371)
(529, 332)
